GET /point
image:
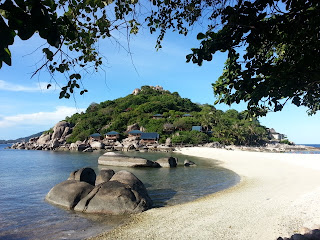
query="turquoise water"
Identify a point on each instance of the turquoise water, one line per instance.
(27, 176)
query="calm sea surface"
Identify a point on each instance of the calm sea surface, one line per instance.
(27, 176)
(310, 152)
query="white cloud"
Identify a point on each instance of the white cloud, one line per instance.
(38, 87)
(39, 118)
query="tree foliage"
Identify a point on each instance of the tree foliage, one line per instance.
(273, 46)
(230, 127)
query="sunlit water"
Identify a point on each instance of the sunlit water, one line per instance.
(316, 151)
(27, 176)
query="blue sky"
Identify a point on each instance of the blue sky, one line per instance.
(27, 107)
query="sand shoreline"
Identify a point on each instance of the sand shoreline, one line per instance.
(278, 195)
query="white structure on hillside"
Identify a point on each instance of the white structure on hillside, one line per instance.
(275, 135)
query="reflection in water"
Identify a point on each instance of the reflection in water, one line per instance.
(27, 176)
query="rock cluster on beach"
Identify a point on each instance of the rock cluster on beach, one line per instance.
(305, 234)
(108, 193)
(56, 140)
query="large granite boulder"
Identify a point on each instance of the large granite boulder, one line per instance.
(55, 143)
(119, 193)
(44, 139)
(121, 160)
(136, 91)
(104, 176)
(167, 162)
(83, 175)
(132, 127)
(168, 142)
(60, 129)
(97, 145)
(78, 146)
(123, 194)
(133, 182)
(68, 193)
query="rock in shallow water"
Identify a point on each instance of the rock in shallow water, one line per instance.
(168, 162)
(121, 160)
(124, 193)
(104, 176)
(68, 193)
(83, 175)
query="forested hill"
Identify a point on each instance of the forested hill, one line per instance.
(158, 110)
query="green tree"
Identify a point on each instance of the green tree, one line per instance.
(272, 46)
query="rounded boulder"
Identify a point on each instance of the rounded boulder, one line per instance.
(84, 175)
(104, 176)
(68, 193)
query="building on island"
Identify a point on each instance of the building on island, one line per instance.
(113, 135)
(157, 116)
(96, 136)
(135, 133)
(273, 135)
(149, 137)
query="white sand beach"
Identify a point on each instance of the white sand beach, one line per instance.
(278, 195)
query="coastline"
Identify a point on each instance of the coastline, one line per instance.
(277, 196)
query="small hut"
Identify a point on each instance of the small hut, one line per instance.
(149, 137)
(157, 116)
(96, 136)
(113, 135)
(135, 133)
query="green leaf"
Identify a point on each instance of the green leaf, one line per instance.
(48, 53)
(201, 36)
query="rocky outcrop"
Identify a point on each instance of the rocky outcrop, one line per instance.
(132, 127)
(168, 162)
(50, 140)
(168, 142)
(121, 160)
(78, 146)
(97, 145)
(104, 176)
(68, 193)
(123, 193)
(44, 139)
(83, 175)
(61, 130)
(136, 91)
(305, 234)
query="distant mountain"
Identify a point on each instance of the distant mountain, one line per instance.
(23, 139)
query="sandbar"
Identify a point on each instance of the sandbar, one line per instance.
(279, 193)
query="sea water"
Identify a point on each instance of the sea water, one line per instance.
(27, 176)
(316, 151)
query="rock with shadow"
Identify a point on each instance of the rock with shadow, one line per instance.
(121, 160)
(104, 176)
(119, 193)
(68, 193)
(168, 162)
(305, 234)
